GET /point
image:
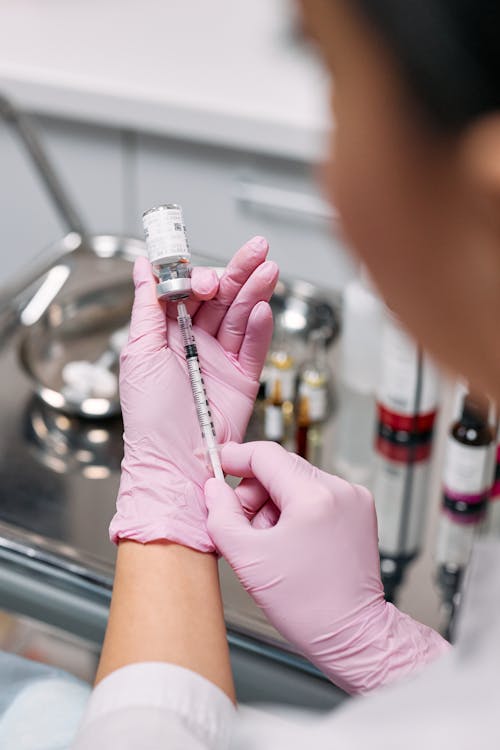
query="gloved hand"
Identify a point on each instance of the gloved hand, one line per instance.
(164, 468)
(310, 560)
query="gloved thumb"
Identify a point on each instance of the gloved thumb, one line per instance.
(148, 326)
(227, 524)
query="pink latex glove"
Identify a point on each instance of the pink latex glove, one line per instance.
(310, 560)
(164, 468)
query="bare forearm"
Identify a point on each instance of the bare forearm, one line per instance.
(166, 606)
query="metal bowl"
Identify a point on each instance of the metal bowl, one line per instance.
(76, 321)
(87, 295)
(299, 309)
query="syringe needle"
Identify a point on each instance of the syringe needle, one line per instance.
(198, 389)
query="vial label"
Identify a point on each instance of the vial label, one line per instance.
(400, 492)
(274, 426)
(165, 234)
(317, 401)
(399, 375)
(466, 470)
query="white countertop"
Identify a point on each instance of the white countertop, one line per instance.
(219, 71)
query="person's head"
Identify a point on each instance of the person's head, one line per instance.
(415, 163)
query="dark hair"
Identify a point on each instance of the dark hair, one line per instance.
(449, 53)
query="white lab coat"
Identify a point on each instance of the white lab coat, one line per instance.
(40, 707)
(453, 704)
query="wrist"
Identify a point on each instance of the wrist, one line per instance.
(385, 645)
(153, 558)
(166, 607)
(144, 569)
(170, 510)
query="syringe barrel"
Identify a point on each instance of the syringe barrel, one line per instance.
(185, 326)
(203, 412)
(200, 399)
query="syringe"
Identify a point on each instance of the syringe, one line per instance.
(198, 388)
(168, 252)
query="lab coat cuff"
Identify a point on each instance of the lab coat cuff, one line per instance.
(201, 706)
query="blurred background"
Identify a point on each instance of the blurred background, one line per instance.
(216, 105)
(108, 108)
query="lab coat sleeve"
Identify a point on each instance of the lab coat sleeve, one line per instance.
(452, 703)
(154, 706)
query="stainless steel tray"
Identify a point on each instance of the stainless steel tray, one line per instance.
(60, 471)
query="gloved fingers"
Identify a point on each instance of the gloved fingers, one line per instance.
(148, 324)
(239, 269)
(226, 519)
(267, 517)
(259, 288)
(252, 496)
(257, 507)
(337, 484)
(272, 465)
(204, 285)
(257, 340)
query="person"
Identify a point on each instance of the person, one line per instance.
(415, 175)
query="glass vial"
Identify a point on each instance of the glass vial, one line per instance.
(168, 251)
(280, 389)
(467, 480)
(408, 390)
(274, 417)
(314, 399)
